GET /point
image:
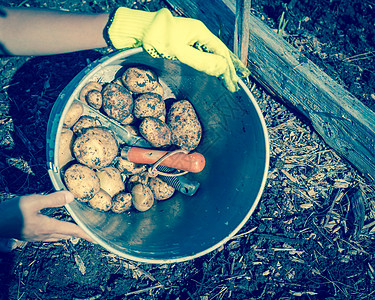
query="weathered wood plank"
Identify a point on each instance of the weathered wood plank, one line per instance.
(241, 30)
(343, 121)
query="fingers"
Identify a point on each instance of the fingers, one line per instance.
(210, 63)
(38, 202)
(38, 227)
(217, 61)
(68, 229)
(239, 66)
(48, 229)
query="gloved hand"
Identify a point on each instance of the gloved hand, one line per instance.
(185, 39)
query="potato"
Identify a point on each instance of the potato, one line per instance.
(184, 124)
(136, 179)
(95, 148)
(160, 188)
(65, 147)
(132, 129)
(110, 180)
(121, 202)
(128, 120)
(128, 167)
(139, 80)
(89, 87)
(156, 132)
(117, 102)
(142, 197)
(74, 113)
(159, 90)
(94, 98)
(101, 201)
(118, 80)
(82, 182)
(149, 105)
(83, 123)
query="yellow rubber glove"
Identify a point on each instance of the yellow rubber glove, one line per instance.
(185, 39)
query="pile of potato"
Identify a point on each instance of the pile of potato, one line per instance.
(89, 155)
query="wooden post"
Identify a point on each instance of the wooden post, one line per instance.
(241, 30)
(347, 125)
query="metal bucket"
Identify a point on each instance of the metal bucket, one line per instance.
(234, 143)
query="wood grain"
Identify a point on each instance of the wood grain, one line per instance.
(241, 30)
(342, 120)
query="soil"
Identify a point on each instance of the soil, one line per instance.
(312, 234)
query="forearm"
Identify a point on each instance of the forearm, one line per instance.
(42, 32)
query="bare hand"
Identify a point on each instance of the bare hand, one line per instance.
(23, 215)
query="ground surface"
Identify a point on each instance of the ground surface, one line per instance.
(311, 236)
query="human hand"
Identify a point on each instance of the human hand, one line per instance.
(185, 39)
(22, 219)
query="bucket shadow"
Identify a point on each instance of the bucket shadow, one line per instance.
(32, 93)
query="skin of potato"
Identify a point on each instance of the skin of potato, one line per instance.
(121, 202)
(117, 102)
(92, 85)
(184, 124)
(110, 180)
(132, 129)
(65, 147)
(94, 98)
(128, 120)
(160, 189)
(73, 114)
(128, 167)
(159, 90)
(156, 132)
(149, 105)
(95, 148)
(82, 182)
(101, 201)
(118, 81)
(141, 178)
(83, 123)
(139, 80)
(142, 197)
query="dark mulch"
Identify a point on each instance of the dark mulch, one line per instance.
(311, 236)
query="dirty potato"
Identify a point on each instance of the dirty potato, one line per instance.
(117, 102)
(73, 114)
(142, 197)
(156, 132)
(118, 80)
(121, 202)
(82, 182)
(139, 80)
(83, 123)
(101, 201)
(92, 85)
(128, 120)
(160, 188)
(141, 178)
(149, 105)
(65, 147)
(95, 148)
(110, 180)
(132, 129)
(159, 90)
(184, 124)
(94, 98)
(128, 167)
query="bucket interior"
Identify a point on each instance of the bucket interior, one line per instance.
(234, 143)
